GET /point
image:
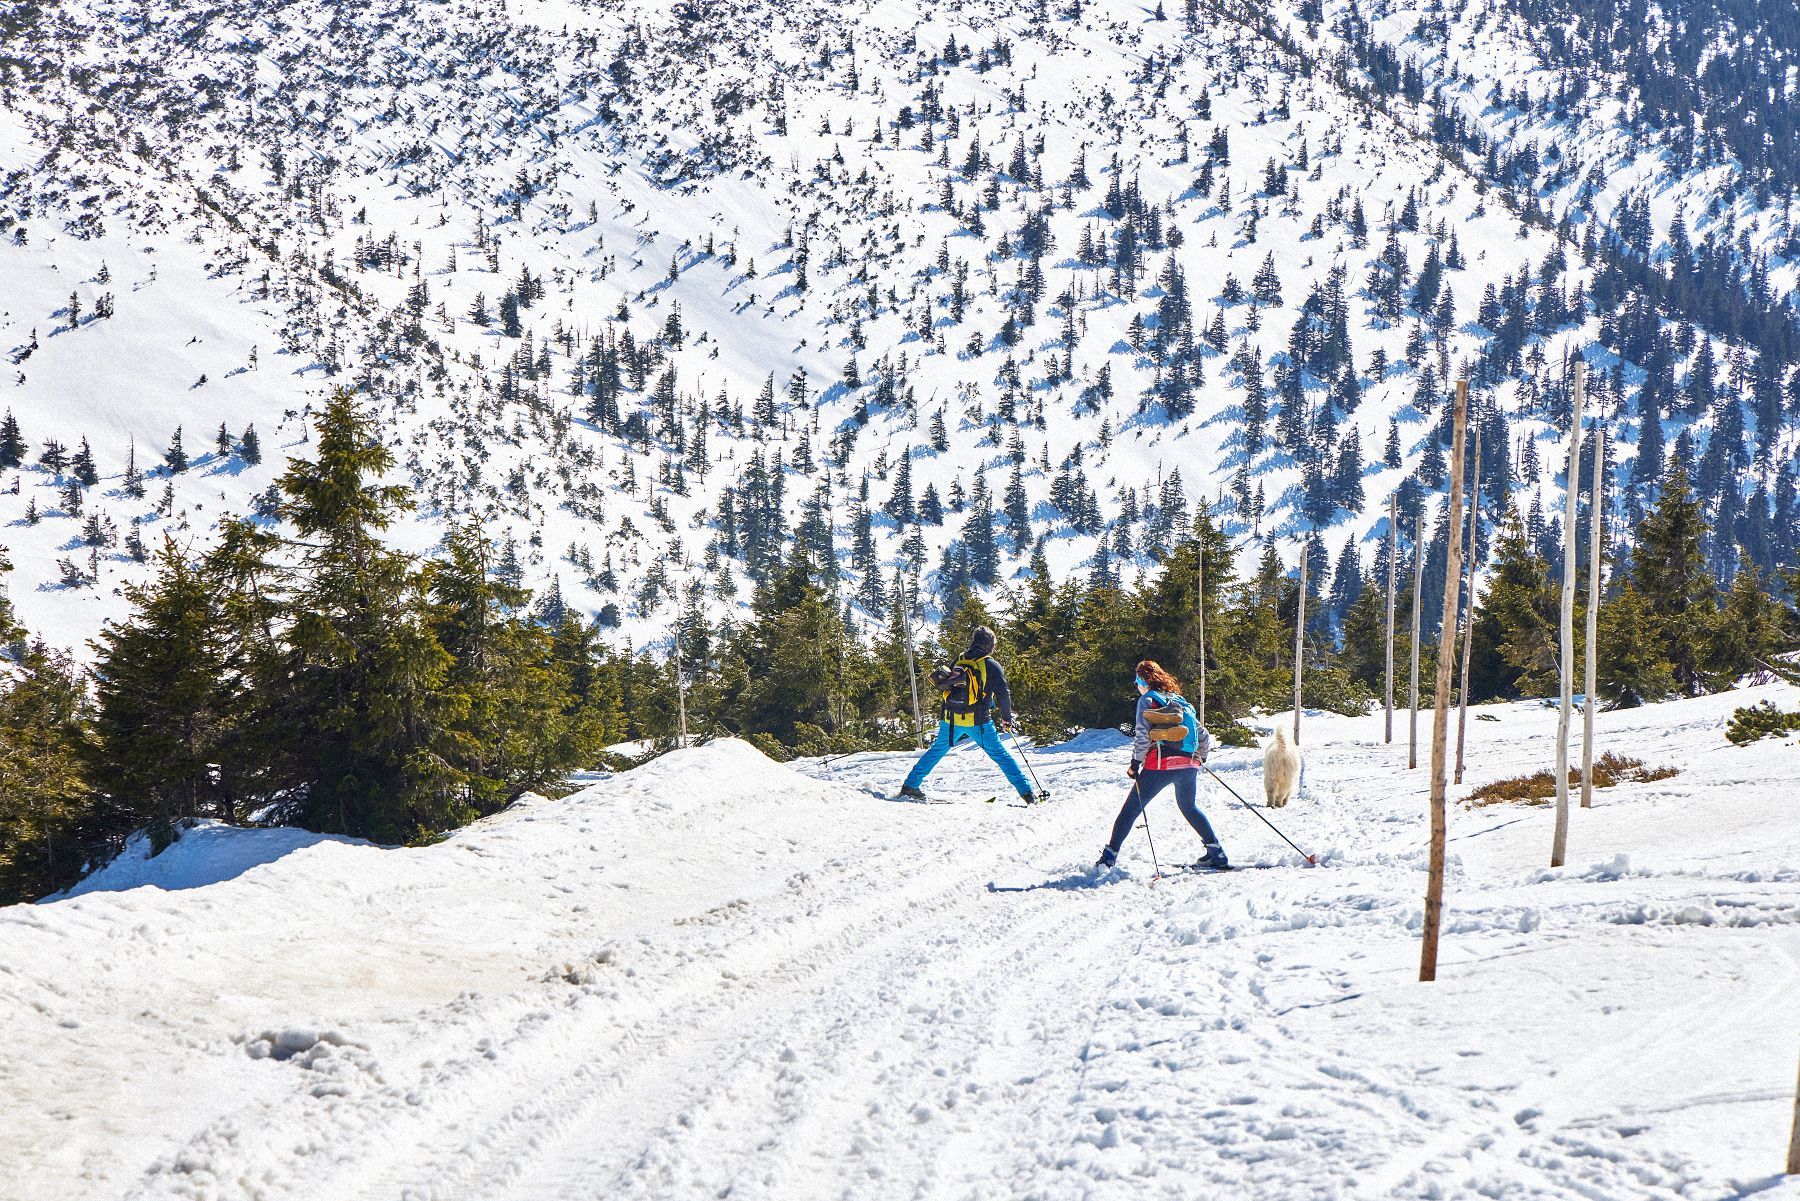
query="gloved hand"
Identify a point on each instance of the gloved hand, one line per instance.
(1132, 771)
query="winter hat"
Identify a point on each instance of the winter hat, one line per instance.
(982, 641)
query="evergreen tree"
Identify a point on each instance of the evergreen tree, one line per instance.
(1631, 668)
(788, 656)
(175, 456)
(168, 699)
(1668, 569)
(1520, 612)
(515, 723)
(134, 479)
(1018, 511)
(358, 694)
(82, 466)
(978, 536)
(49, 827)
(250, 446)
(12, 442)
(1748, 634)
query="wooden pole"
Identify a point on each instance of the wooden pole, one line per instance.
(1299, 639)
(1596, 519)
(1200, 599)
(1393, 552)
(680, 689)
(1412, 738)
(1440, 715)
(1474, 550)
(912, 670)
(1559, 844)
(1793, 1162)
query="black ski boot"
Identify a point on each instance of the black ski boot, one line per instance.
(1109, 859)
(1215, 860)
(908, 792)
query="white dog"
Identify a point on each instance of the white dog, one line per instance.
(1281, 769)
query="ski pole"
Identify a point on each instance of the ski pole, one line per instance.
(844, 755)
(1310, 860)
(1020, 747)
(1144, 818)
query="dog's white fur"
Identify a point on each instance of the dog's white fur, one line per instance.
(1281, 769)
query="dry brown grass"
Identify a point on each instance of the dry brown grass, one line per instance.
(1538, 787)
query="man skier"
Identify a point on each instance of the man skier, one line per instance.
(1168, 746)
(972, 690)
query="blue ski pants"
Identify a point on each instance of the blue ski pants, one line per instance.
(987, 737)
(1149, 783)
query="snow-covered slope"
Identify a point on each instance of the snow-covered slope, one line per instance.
(858, 197)
(719, 976)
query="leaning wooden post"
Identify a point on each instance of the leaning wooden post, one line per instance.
(1793, 1163)
(1559, 844)
(1474, 552)
(1440, 715)
(1299, 639)
(1393, 551)
(1412, 737)
(1596, 519)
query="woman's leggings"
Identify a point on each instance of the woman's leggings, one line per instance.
(1149, 783)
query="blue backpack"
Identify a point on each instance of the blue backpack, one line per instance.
(1190, 745)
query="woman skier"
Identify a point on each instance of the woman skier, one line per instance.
(973, 689)
(1168, 746)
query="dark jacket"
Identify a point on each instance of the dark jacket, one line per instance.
(998, 695)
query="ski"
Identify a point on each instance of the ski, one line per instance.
(1194, 869)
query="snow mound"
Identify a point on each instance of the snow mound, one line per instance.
(207, 852)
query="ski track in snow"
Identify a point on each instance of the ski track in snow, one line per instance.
(715, 976)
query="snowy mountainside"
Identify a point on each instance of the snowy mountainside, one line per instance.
(715, 973)
(643, 286)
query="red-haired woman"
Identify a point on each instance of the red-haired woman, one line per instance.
(1168, 746)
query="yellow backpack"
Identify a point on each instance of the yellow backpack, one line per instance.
(964, 688)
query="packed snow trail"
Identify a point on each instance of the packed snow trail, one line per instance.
(720, 976)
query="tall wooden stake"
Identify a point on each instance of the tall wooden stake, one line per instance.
(1300, 639)
(1596, 519)
(1793, 1163)
(912, 670)
(1559, 845)
(1393, 553)
(1440, 715)
(680, 689)
(1200, 600)
(1412, 738)
(1474, 552)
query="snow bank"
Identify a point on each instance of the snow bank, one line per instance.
(206, 852)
